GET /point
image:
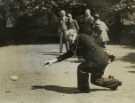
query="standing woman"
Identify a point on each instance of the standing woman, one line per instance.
(102, 30)
(102, 33)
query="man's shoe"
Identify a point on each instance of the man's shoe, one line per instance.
(84, 91)
(116, 85)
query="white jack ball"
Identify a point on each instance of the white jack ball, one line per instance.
(14, 77)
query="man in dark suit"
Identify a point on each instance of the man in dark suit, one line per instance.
(87, 22)
(95, 62)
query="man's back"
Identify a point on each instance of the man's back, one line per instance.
(90, 50)
(86, 47)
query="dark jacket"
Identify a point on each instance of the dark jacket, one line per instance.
(86, 25)
(88, 49)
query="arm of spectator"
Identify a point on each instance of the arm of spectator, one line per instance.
(77, 26)
(65, 56)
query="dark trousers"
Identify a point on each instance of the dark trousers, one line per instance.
(62, 41)
(97, 72)
(83, 71)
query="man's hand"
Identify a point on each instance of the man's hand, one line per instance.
(51, 62)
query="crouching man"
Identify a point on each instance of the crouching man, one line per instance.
(95, 62)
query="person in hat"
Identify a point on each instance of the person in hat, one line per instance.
(94, 63)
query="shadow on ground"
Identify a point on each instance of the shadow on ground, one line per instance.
(129, 58)
(132, 69)
(24, 37)
(51, 53)
(66, 90)
(133, 72)
(28, 40)
(129, 46)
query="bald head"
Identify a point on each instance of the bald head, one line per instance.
(62, 13)
(87, 12)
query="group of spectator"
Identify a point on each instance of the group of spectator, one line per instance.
(89, 24)
(66, 25)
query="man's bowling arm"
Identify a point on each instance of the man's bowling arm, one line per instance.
(60, 58)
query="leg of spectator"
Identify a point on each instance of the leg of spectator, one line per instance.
(61, 43)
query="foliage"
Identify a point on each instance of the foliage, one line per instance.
(13, 9)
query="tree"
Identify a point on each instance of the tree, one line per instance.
(14, 9)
